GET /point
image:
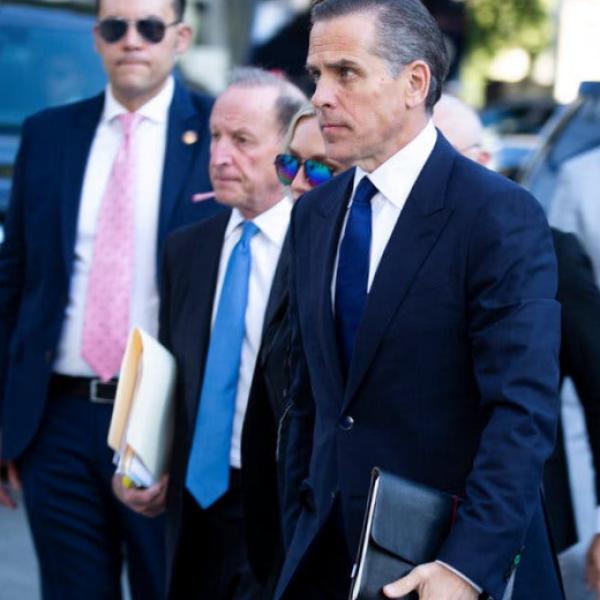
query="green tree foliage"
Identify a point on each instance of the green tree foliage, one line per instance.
(497, 24)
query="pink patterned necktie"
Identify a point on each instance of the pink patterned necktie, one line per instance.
(106, 320)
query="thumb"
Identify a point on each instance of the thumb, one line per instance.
(403, 586)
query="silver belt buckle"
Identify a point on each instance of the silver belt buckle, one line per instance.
(94, 383)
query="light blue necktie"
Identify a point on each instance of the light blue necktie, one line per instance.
(207, 476)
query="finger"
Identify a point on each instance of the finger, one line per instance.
(591, 574)
(13, 477)
(143, 501)
(6, 499)
(403, 586)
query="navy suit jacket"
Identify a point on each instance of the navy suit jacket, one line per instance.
(188, 281)
(36, 258)
(453, 381)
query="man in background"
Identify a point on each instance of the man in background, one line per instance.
(223, 284)
(97, 186)
(580, 340)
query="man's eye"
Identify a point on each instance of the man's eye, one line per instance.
(314, 75)
(215, 136)
(346, 72)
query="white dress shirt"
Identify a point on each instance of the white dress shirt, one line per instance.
(394, 180)
(265, 248)
(149, 142)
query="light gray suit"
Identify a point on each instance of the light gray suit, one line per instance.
(575, 206)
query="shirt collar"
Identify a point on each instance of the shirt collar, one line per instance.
(273, 223)
(395, 178)
(156, 109)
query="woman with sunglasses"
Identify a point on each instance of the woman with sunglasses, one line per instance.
(303, 165)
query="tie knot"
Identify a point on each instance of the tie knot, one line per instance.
(365, 191)
(129, 121)
(249, 229)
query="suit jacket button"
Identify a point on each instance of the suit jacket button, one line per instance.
(346, 423)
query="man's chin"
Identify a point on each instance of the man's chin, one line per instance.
(227, 197)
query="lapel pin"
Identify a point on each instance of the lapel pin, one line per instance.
(189, 137)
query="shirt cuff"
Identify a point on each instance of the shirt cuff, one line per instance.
(463, 577)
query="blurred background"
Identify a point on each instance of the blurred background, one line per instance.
(529, 66)
(520, 62)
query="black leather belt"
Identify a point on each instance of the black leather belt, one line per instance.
(93, 389)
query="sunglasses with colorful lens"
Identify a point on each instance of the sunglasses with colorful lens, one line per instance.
(288, 165)
(153, 30)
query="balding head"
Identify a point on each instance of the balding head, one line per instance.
(462, 127)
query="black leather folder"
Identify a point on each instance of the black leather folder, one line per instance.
(405, 525)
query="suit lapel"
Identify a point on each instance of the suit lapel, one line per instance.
(180, 155)
(78, 141)
(326, 225)
(202, 280)
(279, 289)
(419, 225)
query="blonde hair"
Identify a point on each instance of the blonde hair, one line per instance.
(306, 110)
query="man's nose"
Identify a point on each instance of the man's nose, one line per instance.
(324, 94)
(132, 38)
(220, 152)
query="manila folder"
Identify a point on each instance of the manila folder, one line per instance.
(143, 414)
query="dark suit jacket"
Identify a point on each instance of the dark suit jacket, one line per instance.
(579, 360)
(264, 430)
(453, 382)
(36, 258)
(188, 280)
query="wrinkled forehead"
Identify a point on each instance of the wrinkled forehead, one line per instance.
(251, 109)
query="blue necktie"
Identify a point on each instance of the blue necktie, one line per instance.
(353, 269)
(207, 476)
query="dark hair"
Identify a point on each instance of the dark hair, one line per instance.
(178, 7)
(289, 99)
(406, 32)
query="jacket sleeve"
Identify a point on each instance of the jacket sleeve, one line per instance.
(13, 254)
(514, 333)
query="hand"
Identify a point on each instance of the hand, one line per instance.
(432, 581)
(592, 566)
(149, 502)
(9, 483)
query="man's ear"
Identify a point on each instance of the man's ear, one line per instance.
(184, 38)
(418, 78)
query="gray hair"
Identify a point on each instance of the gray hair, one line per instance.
(406, 32)
(306, 110)
(290, 98)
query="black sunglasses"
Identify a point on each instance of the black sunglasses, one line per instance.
(153, 30)
(288, 165)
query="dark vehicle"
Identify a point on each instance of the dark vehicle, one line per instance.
(575, 130)
(516, 124)
(47, 58)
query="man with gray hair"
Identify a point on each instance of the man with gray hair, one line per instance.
(221, 284)
(425, 333)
